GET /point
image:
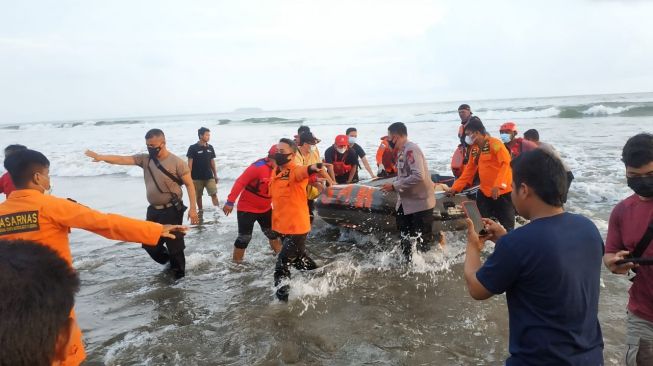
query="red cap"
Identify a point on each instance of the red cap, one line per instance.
(342, 140)
(508, 126)
(273, 150)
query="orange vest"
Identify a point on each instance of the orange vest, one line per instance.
(386, 156)
(492, 161)
(289, 200)
(28, 214)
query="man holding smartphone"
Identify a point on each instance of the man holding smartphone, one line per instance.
(629, 227)
(550, 270)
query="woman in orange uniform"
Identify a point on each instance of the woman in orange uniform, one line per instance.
(30, 213)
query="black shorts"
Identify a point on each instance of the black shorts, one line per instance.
(246, 222)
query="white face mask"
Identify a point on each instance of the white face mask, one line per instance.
(313, 148)
(341, 150)
(469, 140)
(48, 191)
(352, 140)
(505, 137)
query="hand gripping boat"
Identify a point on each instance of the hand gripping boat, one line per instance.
(364, 207)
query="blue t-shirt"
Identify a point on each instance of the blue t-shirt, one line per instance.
(550, 270)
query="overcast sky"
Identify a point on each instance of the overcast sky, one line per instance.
(83, 59)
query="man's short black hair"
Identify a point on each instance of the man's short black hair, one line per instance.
(351, 129)
(542, 172)
(23, 164)
(13, 148)
(398, 128)
(303, 129)
(38, 293)
(532, 135)
(201, 131)
(464, 106)
(155, 132)
(290, 143)
(638, 150)
(475, 125)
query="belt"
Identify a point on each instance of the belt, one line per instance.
(161, 207)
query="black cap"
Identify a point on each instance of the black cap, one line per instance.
(307, 138)
(303, 129)
(465, 106)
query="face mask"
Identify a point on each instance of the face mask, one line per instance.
(505, 137)
(281, 159)
(469, 140)
(392, 144)
(352, 140)
(341, 150)
(153, 151)
(643, 186)
(48, 191)
(313, 148)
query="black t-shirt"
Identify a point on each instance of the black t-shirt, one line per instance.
(202, 156)
(349, 158)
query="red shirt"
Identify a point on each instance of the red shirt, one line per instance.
(628, 223)
(253, 188)
(6, 184)
(520, 145)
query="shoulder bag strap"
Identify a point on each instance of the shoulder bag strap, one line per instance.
(644, 242)
(167, 173)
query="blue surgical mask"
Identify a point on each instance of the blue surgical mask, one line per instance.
(469, 140)
(505, 137)
(352, 140)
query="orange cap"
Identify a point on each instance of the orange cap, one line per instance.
(508, 126)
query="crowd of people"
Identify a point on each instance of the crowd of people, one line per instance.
(549, 268)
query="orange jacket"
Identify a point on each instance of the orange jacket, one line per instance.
(289, 200)
(28, 214)
(493, 165)
(386, 156)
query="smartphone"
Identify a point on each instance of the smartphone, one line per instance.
(471, 210)
(638, 260)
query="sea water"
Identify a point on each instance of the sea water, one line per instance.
(363, 306)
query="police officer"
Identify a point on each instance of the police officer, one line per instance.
(164, 174)
(30, 213)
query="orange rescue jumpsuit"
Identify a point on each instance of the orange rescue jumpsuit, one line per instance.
(492, 162)
(28, 214)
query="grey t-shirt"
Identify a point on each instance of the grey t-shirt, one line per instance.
(173, 164)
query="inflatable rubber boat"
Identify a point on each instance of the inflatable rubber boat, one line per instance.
(364, 207)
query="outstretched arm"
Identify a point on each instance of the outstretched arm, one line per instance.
(366, 164)
(111, 159)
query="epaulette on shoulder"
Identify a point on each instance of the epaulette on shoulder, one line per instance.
(72, 200)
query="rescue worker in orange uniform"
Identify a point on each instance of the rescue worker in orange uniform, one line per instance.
(290, 217)
(386, 158)
(30, 213)
(492, 162)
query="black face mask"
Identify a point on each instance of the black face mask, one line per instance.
(281, 159)
(643, 186)
(153, 151)
(392, 144)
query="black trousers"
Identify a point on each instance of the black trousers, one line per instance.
(417, 225)
(311, 209)
(175, 247)
(293, 253)
(500, 209)
(246, 222)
